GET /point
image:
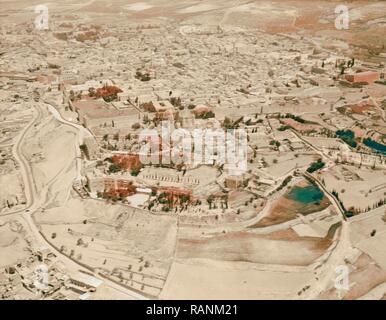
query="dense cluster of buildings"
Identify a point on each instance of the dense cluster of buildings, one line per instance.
(266, 85)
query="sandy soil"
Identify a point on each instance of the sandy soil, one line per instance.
(300, 126)
(231, 281)
(42, 150)
(249, 247)
(363, 277)
(364, 191)
(13, 243)
(360, 234)
(14, 189)
(138, 6)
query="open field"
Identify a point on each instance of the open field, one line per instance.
(248, 247)
(231, 281)
(106, 237)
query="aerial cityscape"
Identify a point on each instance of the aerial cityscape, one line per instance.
(192, 149)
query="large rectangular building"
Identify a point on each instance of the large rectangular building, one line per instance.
(363, 77)
(94, 113)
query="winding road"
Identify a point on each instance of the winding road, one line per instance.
(36, 202)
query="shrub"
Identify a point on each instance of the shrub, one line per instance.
(316, 166)
(113, 168)
(347, 136)
(136, 126)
